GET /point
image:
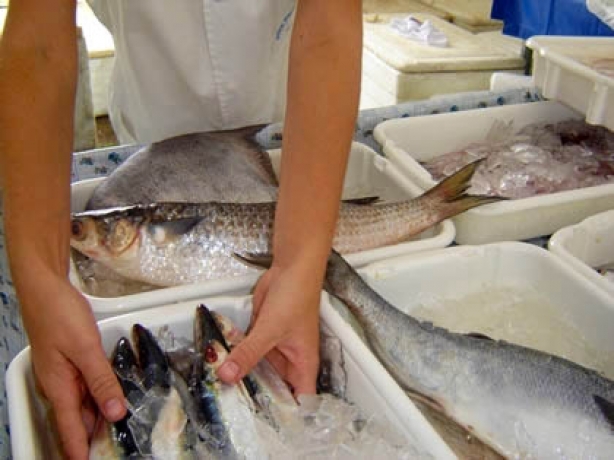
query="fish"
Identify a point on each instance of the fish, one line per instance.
(155, 425)
(272, 396)
(197, 167)
(226, 421)
(523, 403)
(116, 440)
(170, 244)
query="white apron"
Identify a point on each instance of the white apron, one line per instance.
(184, 66)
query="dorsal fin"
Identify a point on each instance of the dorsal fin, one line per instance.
(607, 409)
(367, 200)
(479, 335)
(259, 155)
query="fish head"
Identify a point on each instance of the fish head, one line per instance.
(106, 237)
(214, 354)
(207, 329)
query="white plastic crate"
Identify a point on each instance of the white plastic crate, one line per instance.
(408, 141)
(368, 174)
(578, 71)
(587, 246)
(369, 386)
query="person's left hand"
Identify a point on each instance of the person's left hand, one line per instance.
(284, 327)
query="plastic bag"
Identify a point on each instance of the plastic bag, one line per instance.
(414, 29)
(603, 9)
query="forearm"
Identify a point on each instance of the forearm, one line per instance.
(323, 94)
(38, 72)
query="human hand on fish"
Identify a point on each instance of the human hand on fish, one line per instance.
(284, 327)
(70, 365)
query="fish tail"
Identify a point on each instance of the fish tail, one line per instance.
(450, 197)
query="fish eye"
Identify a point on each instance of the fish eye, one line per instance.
(77, 230)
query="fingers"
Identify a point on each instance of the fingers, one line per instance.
(303, 381)
(246, 355)
(88, 415)
(102, 383)
(69, 421)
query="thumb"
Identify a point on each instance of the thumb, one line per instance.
(102, 384)
(245, 356)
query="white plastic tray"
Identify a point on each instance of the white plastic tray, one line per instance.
(587, 246)
(410, 140)
(369, 385)
(424, 281)
(578, 71)
(368, 174)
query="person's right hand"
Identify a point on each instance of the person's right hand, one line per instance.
(69, 362)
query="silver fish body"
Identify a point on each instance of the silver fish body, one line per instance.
(524, 403)
(169, 244)
(198, 167)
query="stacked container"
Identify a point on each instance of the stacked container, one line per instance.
(398, 69)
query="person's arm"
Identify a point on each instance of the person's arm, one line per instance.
(38, 74)
(323, 94)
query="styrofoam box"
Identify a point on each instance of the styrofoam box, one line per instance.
(417, 281)
(410, 70)
(368, 174)
(587, 246)
(410, 140)
(578, 71)
(369, 386)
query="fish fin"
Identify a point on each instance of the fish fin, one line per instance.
(479, 335)
(367, 200)
(166, 231)
(450, 197)
(425, 400)
(607, 409)
(254, 260)
(257, 153)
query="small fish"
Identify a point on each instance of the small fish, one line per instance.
(230, 424)
(272, 396)
(115, 441)
(169, 244)
(214, 166)
(522, 402)
(155, 426)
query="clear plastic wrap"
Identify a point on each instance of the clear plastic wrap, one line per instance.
(540, 159)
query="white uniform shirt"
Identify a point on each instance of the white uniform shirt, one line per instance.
(196, 65)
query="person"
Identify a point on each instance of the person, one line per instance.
(196, 65)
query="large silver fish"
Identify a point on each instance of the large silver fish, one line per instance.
(216, 166)
(168, 244)
(524, 403)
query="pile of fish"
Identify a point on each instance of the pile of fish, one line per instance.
(175, 243)
(522, 402)
(178, 409)
(539, 159)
